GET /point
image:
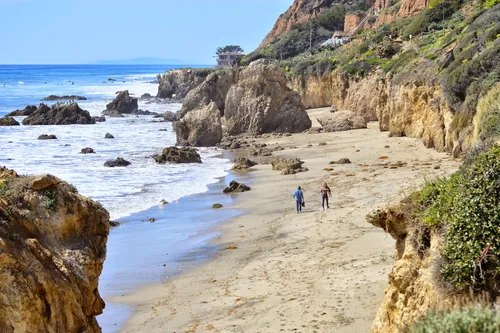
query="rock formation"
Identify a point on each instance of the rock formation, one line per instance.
(260, 102)
(235, 187)
(52, 249)
(200, 127)
(170, 116)
(178, 155)
(119, 162)
(179, 82)
(288, 166)
(352, 21)
(253, 100)
(300, 11)
(65, 97)
(87, 150)
(342, 121)
(109, 136)
(47, 137)
(123, 103)
(8, 121)
(59, 114)
(242, 163)
(411, 7)
(28, 110)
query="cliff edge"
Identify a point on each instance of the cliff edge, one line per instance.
(52, 249)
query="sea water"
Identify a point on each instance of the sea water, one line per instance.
(138, 251)
(122, 191)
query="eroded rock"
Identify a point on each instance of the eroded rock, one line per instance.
(342, 121)
(243, 163)
(200, 128)
(119, 162)
(123, 103)
(47, 137)
(59, 114)
(235, 187)
(178, 155)
(8, 121)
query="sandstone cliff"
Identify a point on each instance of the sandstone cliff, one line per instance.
(52, 249)
(403, 105)
(412, 7)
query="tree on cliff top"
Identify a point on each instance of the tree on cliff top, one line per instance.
(229, 49)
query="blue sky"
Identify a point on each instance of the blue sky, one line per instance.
(77, 31)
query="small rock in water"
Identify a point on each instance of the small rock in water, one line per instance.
(163, 202)
(109, 136)
(47, 137)
(87, 150)
(114, 223)
(119, 162)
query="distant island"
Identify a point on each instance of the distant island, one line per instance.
(146, 61)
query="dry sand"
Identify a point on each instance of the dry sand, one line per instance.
(285, 272)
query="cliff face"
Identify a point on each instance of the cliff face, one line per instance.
(404, 106)
(411, 7)
(300, 11)
(412, 290)
(52, 249)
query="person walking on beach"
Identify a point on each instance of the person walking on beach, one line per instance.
(325, 193)
(299, 199)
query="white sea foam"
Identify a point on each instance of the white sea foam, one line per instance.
(121, 190)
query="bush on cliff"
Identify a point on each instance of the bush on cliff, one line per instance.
(467, 207)
(484, 320)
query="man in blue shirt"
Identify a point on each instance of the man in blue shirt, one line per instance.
(299, 199)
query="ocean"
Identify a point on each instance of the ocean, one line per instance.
(138, 252)
(122, 191)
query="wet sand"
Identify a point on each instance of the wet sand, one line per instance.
(278, 271)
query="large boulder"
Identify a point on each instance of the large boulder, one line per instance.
(28, 110)
(59, 114)
(342, 121)
(261, 102)
(242, 163)
(123, 103)
(178, 155)
(235, 187)
(52, 250)
(8, 121)
(288, 166)
(200, 128)
(179, 82)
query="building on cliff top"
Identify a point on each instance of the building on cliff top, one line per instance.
(228, 59)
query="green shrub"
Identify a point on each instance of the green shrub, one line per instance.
(471, 320)
(3, 188)
(467, 206)
(491, 3)
(398, 63)
(48, 199)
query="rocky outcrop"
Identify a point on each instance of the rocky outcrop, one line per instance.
(28, 110)
(200, 127)
(52, 250)
(123, 104)
(242, 163)
(342, 121)
(8, 121)
(412, 7)
(352, 21)
(119, 162)
(59, 114)
(65, 97)
(235, 187)
(179, 82)
(253, 100)
(47, 137)
(178, 155)
(300, 11)
(260, 102)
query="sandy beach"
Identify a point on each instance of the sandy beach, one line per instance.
(279, 271)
